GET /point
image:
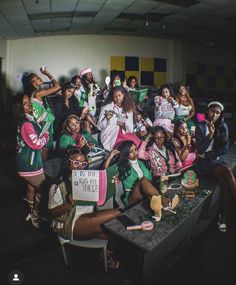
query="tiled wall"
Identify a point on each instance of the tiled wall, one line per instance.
(149, 71)
(210, 76)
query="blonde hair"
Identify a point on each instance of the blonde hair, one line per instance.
(65, 126)
(189, 99)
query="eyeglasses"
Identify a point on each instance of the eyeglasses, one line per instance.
(159, 138)
(78, 164)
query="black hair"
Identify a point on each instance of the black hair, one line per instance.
(115, 73)
(171, 89)
(169, 146)
(66, 85)
(128, 102)
(67, 154)
(178, 123)
(123, 163)
(74, 78)
(130, 78)
(220, 134)
(18, 109)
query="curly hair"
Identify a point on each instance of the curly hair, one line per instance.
(127, 103)
(130, 78)
(65, 126)
(189, 99)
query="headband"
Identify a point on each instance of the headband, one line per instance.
(217, 104)
(85, 71)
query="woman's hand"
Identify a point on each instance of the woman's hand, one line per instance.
(69, 199)
(147, 139)
(82, 142)
(188, 138)
(91, 145)
(109, 114)
(43, 70)
(121, 125)
(113, 153)
(116, 179)
(211, 128)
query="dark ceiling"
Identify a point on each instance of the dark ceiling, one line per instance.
(210, 22)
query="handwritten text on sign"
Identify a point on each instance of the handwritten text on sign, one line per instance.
(85, 185)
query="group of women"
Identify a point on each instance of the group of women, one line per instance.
(141, 150)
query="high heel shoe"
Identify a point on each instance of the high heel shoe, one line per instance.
(34, 217)
(156, 206)
(172, 204)
(222, 227)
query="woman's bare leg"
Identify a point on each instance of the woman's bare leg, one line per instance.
(90, 225)
(30, 195)
(142, 189)
(225, 172)
(86, 126)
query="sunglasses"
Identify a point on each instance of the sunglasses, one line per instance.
(78, 164)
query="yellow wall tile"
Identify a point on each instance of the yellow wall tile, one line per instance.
(201, 81)
(211, 69)
(160, 78)
(117, 62)
(220, 83)
(191, 67)
(229, 72)
(147, 64)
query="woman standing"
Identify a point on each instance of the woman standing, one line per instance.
(212, 141)
(116, 119)
(43, 113)
(30, 142)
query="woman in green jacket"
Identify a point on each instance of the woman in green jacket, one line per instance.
(137, 179)
(73, 135)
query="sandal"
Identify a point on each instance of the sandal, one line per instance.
(34, 217)
(156, 206)
(222, 227)
(172, 204)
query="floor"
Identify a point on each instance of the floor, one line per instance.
(36, 253)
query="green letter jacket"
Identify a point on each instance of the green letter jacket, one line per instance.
(67, 139)
(132, 179)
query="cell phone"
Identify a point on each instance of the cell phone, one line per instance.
(125, 221)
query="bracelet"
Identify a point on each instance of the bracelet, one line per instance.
(52, 79)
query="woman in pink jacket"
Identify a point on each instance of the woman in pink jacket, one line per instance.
(161, 154)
